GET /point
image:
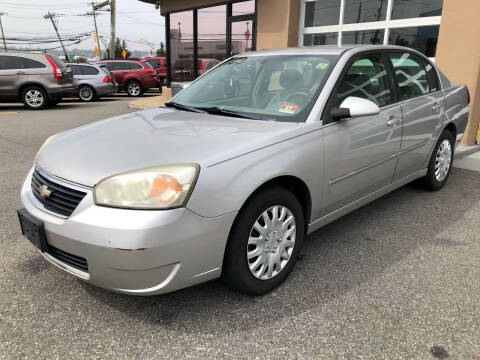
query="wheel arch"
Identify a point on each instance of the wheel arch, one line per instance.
(24, 86)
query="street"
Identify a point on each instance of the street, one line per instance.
(396, 279)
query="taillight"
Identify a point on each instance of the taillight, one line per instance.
(468, 95)
(57, 73)
(150, 71)
(202, 67)
(107, 79)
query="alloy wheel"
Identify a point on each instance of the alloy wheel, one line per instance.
(443, 160)
(34, 98)
(134, 89)
(85, 93)
(271, 242)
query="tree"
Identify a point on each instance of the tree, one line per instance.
(120, 45)
(161, 51)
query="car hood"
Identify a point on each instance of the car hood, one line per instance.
(160, 136)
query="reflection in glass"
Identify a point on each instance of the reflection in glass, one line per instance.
(243, 8)
(423, 39)
(404, 9)
(212, 37)
(181, 46)
(322, 12)
(372, 37)
(320, 39)
(358, 11)
(411, 74)
(242, 36)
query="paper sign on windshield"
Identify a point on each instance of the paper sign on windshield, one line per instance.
(288, 108)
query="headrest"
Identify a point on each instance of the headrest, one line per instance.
(291, 79)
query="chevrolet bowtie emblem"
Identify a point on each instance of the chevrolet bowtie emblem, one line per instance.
(44, 191)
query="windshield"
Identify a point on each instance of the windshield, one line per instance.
(281, 88)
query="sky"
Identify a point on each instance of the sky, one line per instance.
(135, 20)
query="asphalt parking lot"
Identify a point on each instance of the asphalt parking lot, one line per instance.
(396, 279)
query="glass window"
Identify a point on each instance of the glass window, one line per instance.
(373, 37)
(155, 63)
(242, 39)
(410, 74)
(422, 38)
(359, 11)
(266, 87)
(181, 46)
(31, 64)
(367, 79)
(212, 37)
(322, 12)
(404, 9)
(320, 39)
(432, 78)
(84, 70)
(57, 61)
(17, 62)
(243, 8)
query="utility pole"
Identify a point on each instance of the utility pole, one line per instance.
(112, 29)
(51, 16)
(96, 30)
(1, 28)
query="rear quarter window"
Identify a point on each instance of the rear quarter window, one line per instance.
(57, 61)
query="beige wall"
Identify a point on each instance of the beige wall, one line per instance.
(458, 53)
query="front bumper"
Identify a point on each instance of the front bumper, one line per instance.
(135, 251)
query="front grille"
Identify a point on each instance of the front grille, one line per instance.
(73, 260)
(62, 200)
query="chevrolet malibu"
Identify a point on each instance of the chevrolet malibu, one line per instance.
(227, 178)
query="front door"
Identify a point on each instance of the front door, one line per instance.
(361, 153)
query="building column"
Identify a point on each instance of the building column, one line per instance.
(458, 54)
(277, 24)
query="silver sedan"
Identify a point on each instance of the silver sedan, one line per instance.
(93, 81)
(230, 176)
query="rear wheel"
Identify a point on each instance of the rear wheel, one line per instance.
(86, 93)
(264, 242)
(134, 88)
(440, 164)
(34, 98)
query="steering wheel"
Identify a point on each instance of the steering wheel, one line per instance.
(303, 97)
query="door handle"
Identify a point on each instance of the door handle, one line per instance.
(20, 73)
(436, 107)
(394, 121)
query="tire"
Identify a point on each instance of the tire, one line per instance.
(34, 98)
(440, 164)
(134, 88)
(237, 271)
(86, 93)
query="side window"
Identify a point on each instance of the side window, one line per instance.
(367, 79)
(134, 66)
(32, 64)
(410, 75)
(108, 65)
(88, 70)
(432, 78)
(74, 69)
(7, 63)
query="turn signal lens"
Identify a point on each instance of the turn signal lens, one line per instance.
(163, 187)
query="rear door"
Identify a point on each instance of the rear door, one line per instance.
(361, 152)
(12, 73)
(423, 108)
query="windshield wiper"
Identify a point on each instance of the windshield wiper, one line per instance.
(184, 107)
(217, 110)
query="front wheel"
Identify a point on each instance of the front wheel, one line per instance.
(134, 88)
(440, 164)
(264, 242)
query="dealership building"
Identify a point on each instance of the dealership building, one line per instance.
(446, 31)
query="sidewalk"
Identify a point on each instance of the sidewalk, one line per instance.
(152, 102)
(467, 157)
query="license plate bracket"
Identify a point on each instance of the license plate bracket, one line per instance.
(33, 229)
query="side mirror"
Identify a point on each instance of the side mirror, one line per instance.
(355, 107)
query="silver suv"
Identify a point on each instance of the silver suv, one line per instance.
(37, 80)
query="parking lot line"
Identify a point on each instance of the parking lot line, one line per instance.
(8, 112)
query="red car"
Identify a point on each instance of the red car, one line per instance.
(159, 64)
(133, 76)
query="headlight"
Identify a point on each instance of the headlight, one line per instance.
(44, 144)
(162, 187)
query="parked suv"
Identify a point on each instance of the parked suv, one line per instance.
(159, 64)
(94, 81)
(37, 80)
(132, 76)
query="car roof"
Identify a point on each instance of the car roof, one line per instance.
(325, 50)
